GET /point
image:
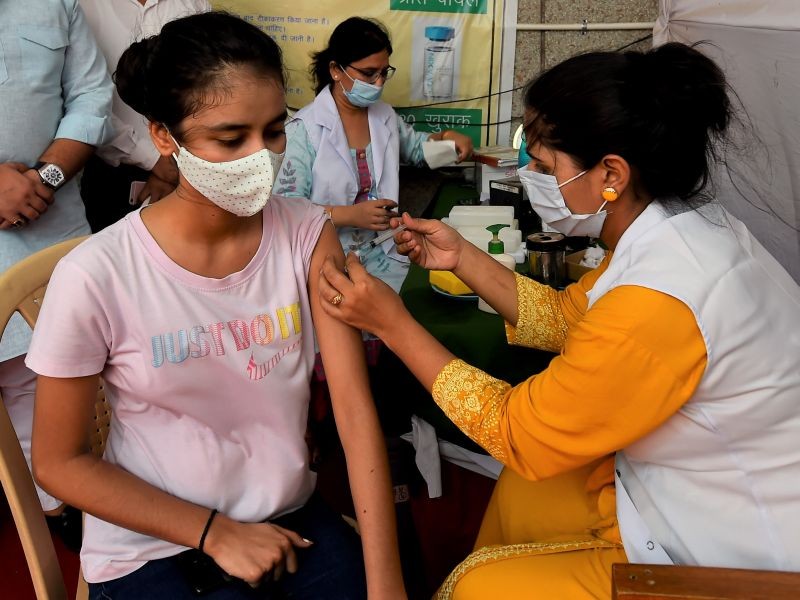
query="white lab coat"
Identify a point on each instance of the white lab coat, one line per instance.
(335, 178)
(334, 173)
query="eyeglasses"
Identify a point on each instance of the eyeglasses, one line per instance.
(372, 75)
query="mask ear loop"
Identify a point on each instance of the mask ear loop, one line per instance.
(346, 74)
(571, 179)
(177, 145)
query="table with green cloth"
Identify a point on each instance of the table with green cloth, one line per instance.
(472, 335)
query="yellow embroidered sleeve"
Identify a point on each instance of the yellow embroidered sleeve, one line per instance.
(474, 401)
(540, 323)
(587, 403)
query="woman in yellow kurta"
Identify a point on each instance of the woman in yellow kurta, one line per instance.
(619, 146)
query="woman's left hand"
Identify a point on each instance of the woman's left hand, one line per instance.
(463, 143)
(360, 300)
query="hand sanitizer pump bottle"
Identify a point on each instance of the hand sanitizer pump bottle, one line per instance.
(497, 251)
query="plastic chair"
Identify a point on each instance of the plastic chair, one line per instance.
(659, 582)
(22, 289)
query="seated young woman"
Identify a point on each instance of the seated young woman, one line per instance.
(200, 313)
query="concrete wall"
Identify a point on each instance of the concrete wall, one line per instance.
(536, 50)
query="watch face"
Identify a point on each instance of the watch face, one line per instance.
(52, 175)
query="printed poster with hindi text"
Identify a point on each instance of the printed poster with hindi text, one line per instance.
(444, 50)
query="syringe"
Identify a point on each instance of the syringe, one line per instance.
(376, 241)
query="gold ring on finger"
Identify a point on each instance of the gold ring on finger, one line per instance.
(337, 299)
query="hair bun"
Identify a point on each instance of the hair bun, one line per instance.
(131, 75)
(693, 83)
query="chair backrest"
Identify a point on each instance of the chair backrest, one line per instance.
(22, 289)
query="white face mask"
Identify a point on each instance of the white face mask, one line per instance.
(242, 186)
(544, 193)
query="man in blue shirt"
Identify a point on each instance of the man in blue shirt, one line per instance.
(55, 103)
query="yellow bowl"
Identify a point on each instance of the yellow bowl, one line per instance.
(448, 282)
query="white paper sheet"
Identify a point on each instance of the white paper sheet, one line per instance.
(440, 154)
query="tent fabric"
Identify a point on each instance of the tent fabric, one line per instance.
(757, 43)
(756, 14)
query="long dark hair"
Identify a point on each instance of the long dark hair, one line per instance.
(352, 40)
(171, 75)
(663, 111)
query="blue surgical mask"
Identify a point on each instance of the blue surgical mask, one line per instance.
(544, 194)
(362, 94)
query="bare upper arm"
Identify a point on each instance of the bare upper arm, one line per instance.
(63, 416)
(333, 336)
(339, 344)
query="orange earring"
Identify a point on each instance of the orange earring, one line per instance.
(610, 194)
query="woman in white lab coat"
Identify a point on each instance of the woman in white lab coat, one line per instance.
(344, 149)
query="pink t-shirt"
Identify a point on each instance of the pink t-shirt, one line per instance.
(208, 379)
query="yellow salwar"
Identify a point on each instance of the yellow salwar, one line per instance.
(624, 368)
(567, 560)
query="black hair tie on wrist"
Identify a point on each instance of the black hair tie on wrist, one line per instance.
(205, 530)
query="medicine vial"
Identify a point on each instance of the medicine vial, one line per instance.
(439, 59)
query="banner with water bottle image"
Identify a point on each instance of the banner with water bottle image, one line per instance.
(448, 54)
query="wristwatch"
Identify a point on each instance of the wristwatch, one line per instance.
(51, 174)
